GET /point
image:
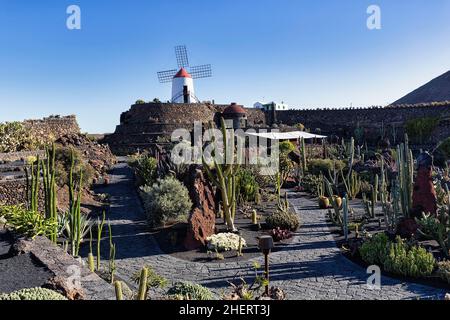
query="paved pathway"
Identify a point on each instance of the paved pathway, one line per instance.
(309, 268)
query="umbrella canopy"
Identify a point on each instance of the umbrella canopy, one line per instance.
(286, 135)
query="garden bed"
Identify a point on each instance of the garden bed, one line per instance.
(166, 237)
(350, 247)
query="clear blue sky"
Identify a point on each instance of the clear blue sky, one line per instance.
(306, 53)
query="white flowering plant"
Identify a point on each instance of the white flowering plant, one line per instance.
(225, 242)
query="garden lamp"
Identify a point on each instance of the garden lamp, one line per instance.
(266, 245)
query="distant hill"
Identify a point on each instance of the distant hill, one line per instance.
(437, 89)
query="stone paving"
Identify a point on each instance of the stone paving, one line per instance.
(311, 267)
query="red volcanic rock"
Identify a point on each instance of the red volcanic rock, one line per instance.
(424, 194)
(407, 228)
(202, 220)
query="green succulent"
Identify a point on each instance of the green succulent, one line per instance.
(33, 294)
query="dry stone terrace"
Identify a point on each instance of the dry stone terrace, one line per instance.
(311, 267)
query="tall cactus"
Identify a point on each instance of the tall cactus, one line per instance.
(225, 177)
(352, 184)
(345, 216)
(34, 186)
(405, 178)
(351, 156)
(303, 154)
(49, 173)
(142, 294)
(375, 188)
(75, 219)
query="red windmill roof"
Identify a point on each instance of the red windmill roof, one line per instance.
(234, 109)
(182, 74)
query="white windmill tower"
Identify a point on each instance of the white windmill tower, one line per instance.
(182, 79)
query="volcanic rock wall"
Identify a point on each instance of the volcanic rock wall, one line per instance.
(392, 119)
(144, 123)
(52, 128)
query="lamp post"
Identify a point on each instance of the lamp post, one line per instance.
(266, 245)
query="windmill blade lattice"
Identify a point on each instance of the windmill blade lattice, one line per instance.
(166, 76)
(182, 57)
(202, 71)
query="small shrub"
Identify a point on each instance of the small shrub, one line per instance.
(279, 234)
(154, 280)
(283, 220)
(286, 147)
(166, 201)
(409, 261)
(63, 163)
(310, 183)
(444, 148)
(421, 129)
(317, 166)
(444, 270)
(190, 291)
(33, 294)
(14, 137)
(146, 169)
(224, 242)
(374, 250)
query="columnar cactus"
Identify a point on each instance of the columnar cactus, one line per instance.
(225, 178)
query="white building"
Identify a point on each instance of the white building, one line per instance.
(268, 106)
(183, 88)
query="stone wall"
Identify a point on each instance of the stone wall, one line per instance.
(22, 155)
(141, 125)
(343, 122)
(13, 192)
(53, 127)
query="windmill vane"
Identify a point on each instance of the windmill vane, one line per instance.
(182, 79)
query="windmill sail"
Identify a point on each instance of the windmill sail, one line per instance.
(203, 71)
(182, 57)
(166, 76)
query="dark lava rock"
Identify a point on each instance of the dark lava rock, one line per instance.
(22, 271)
